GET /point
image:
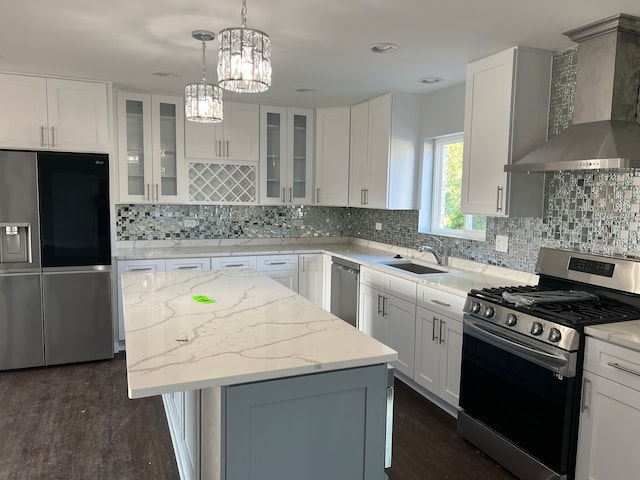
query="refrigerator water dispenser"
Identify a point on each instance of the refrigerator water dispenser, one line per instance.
(15, 243)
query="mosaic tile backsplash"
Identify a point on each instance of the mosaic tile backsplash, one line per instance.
(590, 211)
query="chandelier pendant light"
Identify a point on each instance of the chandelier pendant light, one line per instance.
(244, 58)
(203, 101)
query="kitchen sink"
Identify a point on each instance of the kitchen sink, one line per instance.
(415, 268)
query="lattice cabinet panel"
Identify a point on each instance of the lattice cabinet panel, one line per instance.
(222, 183)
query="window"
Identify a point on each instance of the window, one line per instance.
(446, 217)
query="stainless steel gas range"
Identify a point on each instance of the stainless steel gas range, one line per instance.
(522, 355)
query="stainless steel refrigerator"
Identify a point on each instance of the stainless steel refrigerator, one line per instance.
(55, 259)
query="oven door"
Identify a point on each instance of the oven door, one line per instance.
(522, 395)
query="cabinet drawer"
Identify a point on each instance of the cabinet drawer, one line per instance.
(616, 363)
(179, 264)
(373, 278)
(277, 262)
(444, 303)
(141, 266)
(219, 263)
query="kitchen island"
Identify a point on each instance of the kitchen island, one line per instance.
(257, 381)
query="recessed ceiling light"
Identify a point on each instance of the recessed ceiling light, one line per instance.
(306, 90)
(429, 80)
(384, 47)
(164, 74)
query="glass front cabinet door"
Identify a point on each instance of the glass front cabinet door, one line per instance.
(286, 164)
(151, 148)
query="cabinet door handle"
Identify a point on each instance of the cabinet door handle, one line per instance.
(366, 196)
(586, 385)
(499, 199)
(227, 142)
(362, 196)
(219, 148)
(433, 329)
(385, 312)
(53, 136)
(157, 193)
(379, 310)
(623, 368)
(283, 198)
(302, 262)
(42, 144)
(318, 195)
(290, 195)
(148, 192)
(442, 322)
(438, 302)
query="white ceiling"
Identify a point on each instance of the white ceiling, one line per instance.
(317, 44)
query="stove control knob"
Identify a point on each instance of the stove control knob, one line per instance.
(511, 320)
(536, 328)
(475, 307)
(554, 335)
(488, 311)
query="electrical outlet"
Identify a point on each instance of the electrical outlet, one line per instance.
(378, 226)
(190, 222)
(502, 243)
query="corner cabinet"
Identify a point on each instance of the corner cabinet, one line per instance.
(54, 114)
(235, 138)
(332, 156)
(384, 152)
(506, 116)
(286, 163)
(151, 148)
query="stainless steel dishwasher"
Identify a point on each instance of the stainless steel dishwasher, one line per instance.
(344, 290)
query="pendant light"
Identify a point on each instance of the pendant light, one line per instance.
(244, 58)
(203, 101)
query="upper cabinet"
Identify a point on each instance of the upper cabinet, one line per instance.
(332, 156)
(235, 138)
(506, 116)
(54, 114)
(151, 148)
(384, 150)
(286, 164)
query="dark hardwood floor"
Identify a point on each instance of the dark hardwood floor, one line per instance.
(76, 422)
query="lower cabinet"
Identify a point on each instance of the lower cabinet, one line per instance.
(282, 268)
(610, 413)
(438, 353)
(311, 277)
(387, 317)
(183, 416)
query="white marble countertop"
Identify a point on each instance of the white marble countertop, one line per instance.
(624, 334)
(462, 275)
(256, 329)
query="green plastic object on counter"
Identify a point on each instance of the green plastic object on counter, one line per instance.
(203, 299)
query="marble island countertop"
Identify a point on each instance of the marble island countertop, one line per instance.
(624, 334)
(255, 329)
(460, 277)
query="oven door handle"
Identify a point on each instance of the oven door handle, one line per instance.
(560, 363)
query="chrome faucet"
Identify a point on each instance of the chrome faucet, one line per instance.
(441, 258)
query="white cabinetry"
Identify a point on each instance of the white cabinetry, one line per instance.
(438, 350)
(151, 148)
(286, 146)
(388, 313)
(384, 151)
(235, 138)
(610, 413)
(282, 268)
(506, 116)
(54, 114)
(183, 416)
(311, 277)
(332, 156)
(133, 266)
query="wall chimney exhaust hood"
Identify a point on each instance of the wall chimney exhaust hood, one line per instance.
(605, 133)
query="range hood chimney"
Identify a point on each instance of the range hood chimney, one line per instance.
(605, 133)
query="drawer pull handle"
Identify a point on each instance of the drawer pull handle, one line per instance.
(233, 265)
(438, 302)
(187, 267)
(141, 269)
(624, 369)
(276, 263)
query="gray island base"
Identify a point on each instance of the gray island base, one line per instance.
(259, 383)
